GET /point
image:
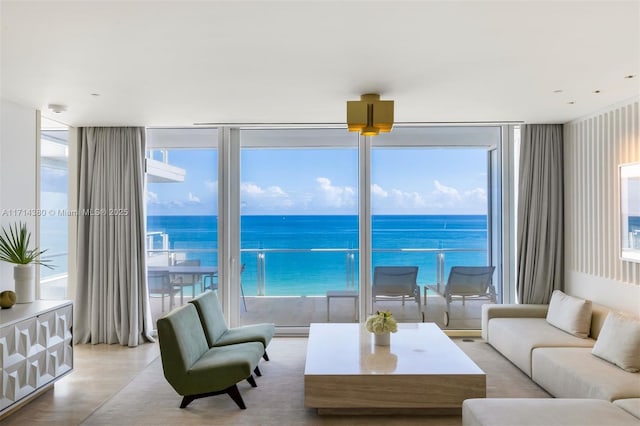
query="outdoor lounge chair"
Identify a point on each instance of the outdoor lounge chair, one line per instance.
(396, 283)
(469, 282)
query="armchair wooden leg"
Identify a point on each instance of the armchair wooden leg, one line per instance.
(252, 382)
(265, 356)
(257, 372)
(187, 400)
(232, 391)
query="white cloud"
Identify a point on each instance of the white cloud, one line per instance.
(251, 189)
(447, 191)
(254, 196)
(378, 191)
(151, 197)
(193, 198)
(335, 196)
(396, 201)
(276, 191)
(477, 194)
(450, 199)
(408, 200)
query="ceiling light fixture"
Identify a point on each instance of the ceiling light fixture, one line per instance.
(369, 115)
(57, 108)
(629, 76)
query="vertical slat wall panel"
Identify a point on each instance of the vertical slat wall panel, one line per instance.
(571, 175)
(594, 147)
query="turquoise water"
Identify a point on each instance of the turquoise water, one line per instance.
(308, 255)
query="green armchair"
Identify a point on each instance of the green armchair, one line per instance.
(217, 332)
(196, 371)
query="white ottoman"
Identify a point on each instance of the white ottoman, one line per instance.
(544, 412)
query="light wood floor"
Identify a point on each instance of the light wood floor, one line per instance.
(115, 385)
(100, 372)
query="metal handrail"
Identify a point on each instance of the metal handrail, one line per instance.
(350, 253)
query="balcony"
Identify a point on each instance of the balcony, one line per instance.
(289, 286)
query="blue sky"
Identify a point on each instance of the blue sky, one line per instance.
(325, 181)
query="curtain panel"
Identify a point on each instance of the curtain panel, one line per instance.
(540, 234)
(112, 304)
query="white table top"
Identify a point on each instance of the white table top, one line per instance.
(417, 348)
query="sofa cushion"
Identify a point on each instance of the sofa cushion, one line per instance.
(543, 411)
(619, 342)
(630, 405)
(570, 314)
(577, 373)
(515, 338)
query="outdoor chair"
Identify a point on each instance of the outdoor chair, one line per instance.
(181, 281)
(159, 285)
(213, 285)
(396, 283)
(468, 282)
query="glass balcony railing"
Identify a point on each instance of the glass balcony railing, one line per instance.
(314, 271)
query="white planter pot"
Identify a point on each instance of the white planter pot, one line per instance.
(382, 339)
(25, 283)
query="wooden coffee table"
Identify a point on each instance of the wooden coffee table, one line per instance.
(422, 372)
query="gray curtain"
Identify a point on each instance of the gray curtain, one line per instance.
(540, 213)
(112, 304)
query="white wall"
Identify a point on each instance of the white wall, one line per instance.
(17, 172)
(594, 146)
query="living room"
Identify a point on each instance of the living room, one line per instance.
(242, 73)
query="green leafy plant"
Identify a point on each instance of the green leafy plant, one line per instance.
(14, 246)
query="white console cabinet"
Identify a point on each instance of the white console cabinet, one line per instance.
(36, 348)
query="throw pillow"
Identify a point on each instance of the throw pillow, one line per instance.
(570, 314)
(619, 342)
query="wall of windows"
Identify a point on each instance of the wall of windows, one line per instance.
(298, 219)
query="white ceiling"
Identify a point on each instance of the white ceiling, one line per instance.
(177, 63)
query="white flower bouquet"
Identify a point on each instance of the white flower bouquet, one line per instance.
(382, 322)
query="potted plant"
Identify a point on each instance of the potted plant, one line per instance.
(14, 248)
(382, 324)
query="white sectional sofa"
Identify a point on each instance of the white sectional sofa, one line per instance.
(561, 363)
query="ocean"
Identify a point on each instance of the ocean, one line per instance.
(308, 255)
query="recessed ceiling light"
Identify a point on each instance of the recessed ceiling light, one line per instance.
(571, 102)
(596, 91)
(557, 91)
(95, 94)
(629, 76)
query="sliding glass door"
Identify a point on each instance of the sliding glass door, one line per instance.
(299, 225)
(430, 206)
(182, 215)
(312, 219)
